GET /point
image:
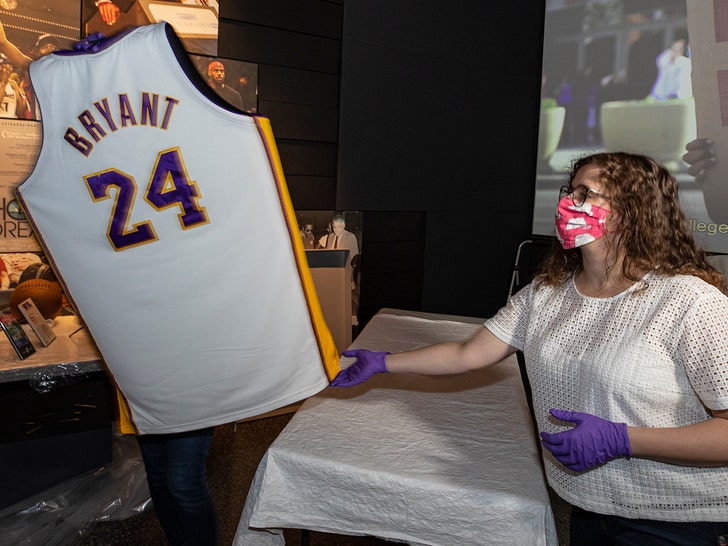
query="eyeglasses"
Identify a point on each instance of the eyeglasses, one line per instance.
(580, 194)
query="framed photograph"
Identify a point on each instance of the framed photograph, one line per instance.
(317, 228)
(194, 21)
(19, 147)
(234, 81)
(33, 29)
(326, 230)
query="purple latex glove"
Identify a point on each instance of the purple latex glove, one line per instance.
(592, 442)
(367, 364)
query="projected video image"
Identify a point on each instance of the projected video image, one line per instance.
(641, 76)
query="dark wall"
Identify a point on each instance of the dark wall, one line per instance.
(421, 114)
(297, 45)
(439, 111)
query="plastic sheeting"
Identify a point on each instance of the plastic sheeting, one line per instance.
(72, 352)
(420, 460)
(62, 514)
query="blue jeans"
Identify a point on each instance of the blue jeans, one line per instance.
(590, 529)
(177, 477)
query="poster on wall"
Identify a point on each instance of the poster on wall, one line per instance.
(318, 229)
(19, 146)
(234, 81)
(323, 230)
(28, 31)
(628, 75)
(194, 21)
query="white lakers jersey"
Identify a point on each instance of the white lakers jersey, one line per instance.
(166, 217)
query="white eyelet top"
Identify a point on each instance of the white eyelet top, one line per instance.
(655, 355)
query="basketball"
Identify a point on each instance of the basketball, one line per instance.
(46, 295)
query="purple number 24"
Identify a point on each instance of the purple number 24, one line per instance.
(169, 186)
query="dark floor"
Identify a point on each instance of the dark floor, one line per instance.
(234, 457)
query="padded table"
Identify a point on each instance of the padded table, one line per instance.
(424, 460)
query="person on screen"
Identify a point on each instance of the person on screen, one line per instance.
(624, 330)
(700, 156)
(673, 73)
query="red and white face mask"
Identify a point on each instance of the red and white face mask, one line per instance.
(577, 226)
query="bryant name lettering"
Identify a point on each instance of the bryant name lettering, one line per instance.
(106, 118)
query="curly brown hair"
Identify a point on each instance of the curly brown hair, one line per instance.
(654, 236)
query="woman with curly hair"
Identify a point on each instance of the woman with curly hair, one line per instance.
(624, 331)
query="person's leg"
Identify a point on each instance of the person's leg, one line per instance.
(187, 483)
(667, 533)
(154, 453)
(588, 528)
(177, 477)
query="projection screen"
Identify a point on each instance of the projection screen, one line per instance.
(642, 76)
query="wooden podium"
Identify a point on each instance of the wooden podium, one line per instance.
(332, 277)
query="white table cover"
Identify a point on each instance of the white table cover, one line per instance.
(447, 460)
